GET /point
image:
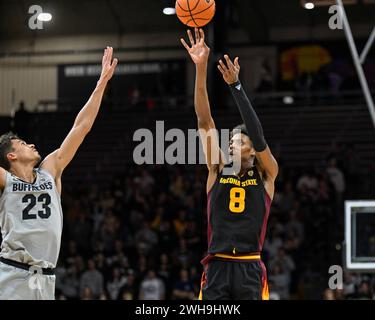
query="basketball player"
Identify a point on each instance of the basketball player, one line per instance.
(31, 217)
(239, 202)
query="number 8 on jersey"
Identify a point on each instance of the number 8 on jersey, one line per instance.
(237, 200)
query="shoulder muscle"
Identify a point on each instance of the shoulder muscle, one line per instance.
(49, 164)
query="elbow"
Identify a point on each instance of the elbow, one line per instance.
(274, 171)
(84, 128)
(260, 147)
(205, 123)
(87, 129)
(202, 123)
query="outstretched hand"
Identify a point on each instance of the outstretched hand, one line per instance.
(230, 70)
(108, 66)
(198, 49)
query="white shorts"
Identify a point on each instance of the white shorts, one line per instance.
(19, 284)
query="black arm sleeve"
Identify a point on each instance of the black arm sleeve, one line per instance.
(249, 117)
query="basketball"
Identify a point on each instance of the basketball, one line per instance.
(195, 13)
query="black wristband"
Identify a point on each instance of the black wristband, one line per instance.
(235, 85)
(249, 117)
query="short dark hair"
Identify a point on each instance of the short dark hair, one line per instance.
(240, 127)
(5, 148)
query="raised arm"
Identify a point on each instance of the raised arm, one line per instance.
(56, 162)
(230, 72)
(199, 53)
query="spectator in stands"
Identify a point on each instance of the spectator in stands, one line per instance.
(180, 222)
(281, 280)
(128, 291)
(190, 234)
(167, 236)
(195, 278)
(328, 294)
(308, 180)
(273, 242)
(109, 230)
(295, 225)
(91, 279)
(71, 283)
(338, 180)
(22, 121)
(165, 268)
(146, 181)
(364, 292)
(323, 193)
(80, 233)
(71, 254)
(349, 287)
(86, 294)
(146, 238)
(284, 261)
(101, 264)
(183, 288)
(287, 197)
(274, 295)
(182, 255)
(118, 257)
(114, 285)
(339, 294)
(152, 288)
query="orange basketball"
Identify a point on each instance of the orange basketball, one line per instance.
(195, 13)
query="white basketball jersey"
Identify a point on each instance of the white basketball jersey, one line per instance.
(31, 220)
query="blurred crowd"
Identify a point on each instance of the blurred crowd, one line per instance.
(144, 237)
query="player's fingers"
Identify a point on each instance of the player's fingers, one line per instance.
(221, 69)
(197, 37)
(201, 33)
(114, 63)
(222, 64)
(105, 59)
(185, 44)
(229, 62)
(190, 37)
(236, 63)
(104, 56)
(110, 53)
(107, 56)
